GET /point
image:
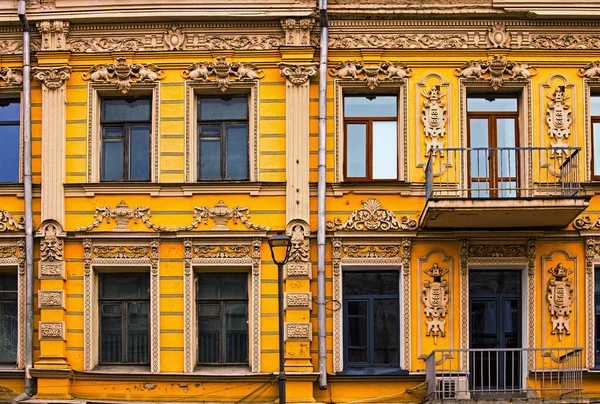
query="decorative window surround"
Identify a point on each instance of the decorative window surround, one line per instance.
(346, 85)
(194, 88)
(97, 90)
(12, 257)
(591, 83)
(244, 254)
(386, 253)
(11, 86)
(104, 256)
(592, 259)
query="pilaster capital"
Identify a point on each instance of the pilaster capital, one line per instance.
(297, 30)
(298, 73)
(52, 77)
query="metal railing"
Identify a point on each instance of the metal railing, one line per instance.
(504, 372)
(502, 172)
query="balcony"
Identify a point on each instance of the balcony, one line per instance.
(502, 187)
(505, 373)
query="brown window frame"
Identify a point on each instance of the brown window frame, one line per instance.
(369, 149)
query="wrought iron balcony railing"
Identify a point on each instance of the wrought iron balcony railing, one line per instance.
(502, 172)
(504, 373)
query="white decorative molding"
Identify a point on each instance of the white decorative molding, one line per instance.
(123, 74)
(222, 70)
(53, 78)
(175, 38)
(11, 76)
(8, 222)
(499, 36)
(435, 299)
(560, 298)
(297, 31)
(51, 265)
(298, 331)
(558, 119)
(298, 301)
(433, 117)
(592, 258)
(372, 216)
(495, 70)
(52, 330)
(371, 74)
(54, 34)
(51, 299)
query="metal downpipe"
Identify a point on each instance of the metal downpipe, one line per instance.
(321, 194)
(29, 382)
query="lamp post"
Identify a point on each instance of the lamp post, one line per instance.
(280, 245)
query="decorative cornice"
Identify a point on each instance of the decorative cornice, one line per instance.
(372, 216)
(52, 77)
(105, 44)
(372, 251)
(222, 251)
(396, 41)
(123, 74)
(8, 223)
(497, 250)
(298, 73)
(351, 69)
(494, 70)
(222, 71)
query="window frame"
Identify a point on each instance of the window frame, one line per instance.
(596, 332)
(198, 300)
(196, 90)
(9, 272)
(222, 124)
(593, 119)
(16, 95)
(99, 91)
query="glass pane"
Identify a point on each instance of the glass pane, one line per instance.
(479, 139)
(8, 287)
(112, 160)
(595, 105)
(507, 189)
(222, 108)
(237, 151)
(124, 286)
(357, 331)
(111, 332)
(210, 159)
(372, 106)
(371, 283)
(484, 325)
(126, 109)
(236, 329)
(139, 151)
(10, 110)
(596, 141)
(597, 281)
(356, 150)
(491, 104)
(385, 150)
(209, 131)
(225, 285)
(386, 333)
(209, 333)
(511, 320)
(480, 189)
(137, 332)
(9, 153)
(8, 331)
(486, 282)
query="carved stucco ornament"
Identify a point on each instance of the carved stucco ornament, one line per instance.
(8, 222)
(435, 299)
(495, 70)
(560, 297)
(558, 119)
(371, 251)
(586, 223)
(498, 36)
(297, 31)
(174, 38)
(11, 77)
(120, 252)
(222, 251)
(396, 41)
(298, 73)
(371, 74)
(298, 265)
(433, 116)
(122, 214)
(52, 77)
(222, 70)
(51, 263)
(221, 214)
(372, 216)
(54, 34)
(105, 44)
(123, 73)
(590, 70)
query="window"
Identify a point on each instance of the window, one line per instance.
(125, 126)
(10, 135)
(371, 138)
(124, 303)
(595, 115)
(493, 138)
(222, 316)
(8, 319)
(597, 316)
(371, 319)
(223, 138)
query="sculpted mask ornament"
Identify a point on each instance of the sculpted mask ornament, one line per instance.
(222, 70)
(372, 216)
(435, 300)
(300, 249)
(351, 69)
(560, 297)
(433, 116)
(494, 70)
(123, 73)
(558, 118)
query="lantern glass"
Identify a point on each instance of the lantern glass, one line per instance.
(280, 248)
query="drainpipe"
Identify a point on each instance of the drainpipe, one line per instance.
(29, 382)
(321, 194)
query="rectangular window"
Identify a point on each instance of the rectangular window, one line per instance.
(493, 141)
(371, 138)
(595, 117)
(8, 319)
(597, 315)
(371, 319)
(125, 124)
(124, 303)
(222, 318)
(223, 138)
(10, 136)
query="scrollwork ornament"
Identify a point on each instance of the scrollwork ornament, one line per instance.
(123, 73)
(174, 38)
(560, 297)
(222, 70)
(498, 36)
(8, 222)
(221, 214)
(372, 216)
(586, 223)
(52, 77)
(122, 214)
(298, 74)
(558, 119)
(221, 251)
(433, 116)
(372, 251)
(371, 74)
(435, 300)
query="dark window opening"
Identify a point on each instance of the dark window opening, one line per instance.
(10, 138)
(8, 319)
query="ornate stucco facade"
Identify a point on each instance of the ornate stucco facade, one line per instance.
(431, 57)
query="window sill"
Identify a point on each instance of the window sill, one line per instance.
(400, 188)
(374, 372)
(174, 189)
(125, 369)
(223, 371)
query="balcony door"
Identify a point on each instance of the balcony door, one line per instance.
(493, 138)
(494, 325)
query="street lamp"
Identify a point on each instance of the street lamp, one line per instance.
(280, 245)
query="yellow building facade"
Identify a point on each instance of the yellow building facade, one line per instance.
(169, 141)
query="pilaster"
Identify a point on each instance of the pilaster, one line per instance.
(53, 140)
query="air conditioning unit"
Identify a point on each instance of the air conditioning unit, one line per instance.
(452, 387)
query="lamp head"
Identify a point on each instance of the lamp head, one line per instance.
(280, 245)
